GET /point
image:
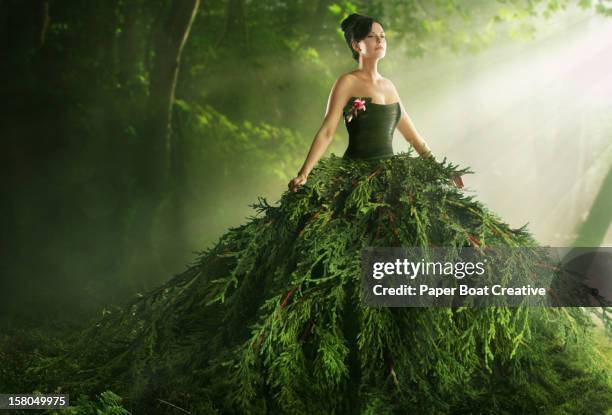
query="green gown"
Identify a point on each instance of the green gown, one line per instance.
(270, 320)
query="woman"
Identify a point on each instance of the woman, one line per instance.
(271, 321)
(366, 39)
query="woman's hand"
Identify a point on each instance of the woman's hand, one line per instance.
(457, 180)
(296, 182)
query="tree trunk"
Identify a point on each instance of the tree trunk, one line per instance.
(154, 170)
(130, 48)
(235, 33)
(23, 29)
(169, 42)
(592, 231)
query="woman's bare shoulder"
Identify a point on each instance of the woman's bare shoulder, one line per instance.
(389, 84)
(344, 84)
(348, 77)
(352, 73)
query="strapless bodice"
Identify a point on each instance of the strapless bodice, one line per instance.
(371, 129)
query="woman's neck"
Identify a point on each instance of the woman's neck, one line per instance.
(369, 70)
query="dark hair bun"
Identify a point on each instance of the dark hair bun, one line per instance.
(356, 27)
(349, 21)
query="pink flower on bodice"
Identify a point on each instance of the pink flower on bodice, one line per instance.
(358, 105)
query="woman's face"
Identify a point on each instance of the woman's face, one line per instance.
(374, 45)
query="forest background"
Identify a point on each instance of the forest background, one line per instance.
(134, 132)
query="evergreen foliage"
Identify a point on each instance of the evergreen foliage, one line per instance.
(270, 319)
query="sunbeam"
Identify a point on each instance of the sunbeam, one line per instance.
(535, 117)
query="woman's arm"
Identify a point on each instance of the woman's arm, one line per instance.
(408, 130)
(338, 97)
